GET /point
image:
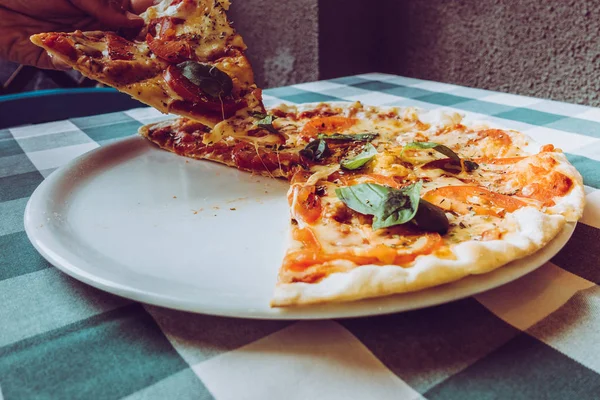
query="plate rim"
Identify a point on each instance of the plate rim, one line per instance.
(506, 273)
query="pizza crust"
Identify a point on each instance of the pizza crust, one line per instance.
(535, 230)
(570, 206)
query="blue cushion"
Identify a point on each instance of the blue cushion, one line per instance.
(53, 105)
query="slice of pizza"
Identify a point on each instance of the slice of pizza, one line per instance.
(259, 151)
(187, 60)
(402, 200)
(388, 200)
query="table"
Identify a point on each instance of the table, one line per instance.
(536, 338)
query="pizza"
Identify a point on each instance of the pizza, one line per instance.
(186, 60)
(382, 200)
(255, 150)
(390, 200)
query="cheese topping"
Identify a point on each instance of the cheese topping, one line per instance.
(205, 24)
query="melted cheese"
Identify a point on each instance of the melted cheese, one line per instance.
(205, 21)
(335, 231)
(90, 47)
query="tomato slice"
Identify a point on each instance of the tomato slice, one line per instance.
(434, 242)
(555, 185)
(119, 48)
(164, 27)
(547, 148)
(173, 51)
(497, 135)
(464, 199)
(305, 203)
(300, 260)
(499, 161)
(161, 39)
(192, 93)
(183, 87)
(307, 237)
(443, 163)
(61, 45)
(326, 125)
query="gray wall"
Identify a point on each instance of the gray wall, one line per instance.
(282, 39)
(547, 49)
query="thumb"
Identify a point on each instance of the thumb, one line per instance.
(109, 13)
(44, 60)
(139, 6)
(24, 52)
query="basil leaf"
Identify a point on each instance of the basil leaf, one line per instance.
(267, 123)
(316, 150)
(388, 206)
(400, 207)
(440, 148)
(356, 137)
(448, 152)
(367, 154)
(431, 218)
(208, 78)
(365, 198)
(470, 165)
(391, 206)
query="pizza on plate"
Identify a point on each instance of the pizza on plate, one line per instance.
(391, 200)
(382, 200)
(186, 60)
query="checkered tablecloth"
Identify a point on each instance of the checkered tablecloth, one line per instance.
(535, 338)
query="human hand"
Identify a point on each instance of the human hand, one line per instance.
(19, 19)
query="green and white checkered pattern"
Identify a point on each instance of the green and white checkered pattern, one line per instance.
(535, 338)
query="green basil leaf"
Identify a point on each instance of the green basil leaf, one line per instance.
(440, 148)
(401, 206)
(388, 206)
(258, 115)
(267, 123)
(391, 206)
(365, 198)
(316, 150)
(367, 154)
(208, 78)
(356, 137)
(431, 218)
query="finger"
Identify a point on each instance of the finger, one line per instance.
(16, 47)
(139, 6)
(47, 61)
(58, 64)
(109, 13)
(41, 59)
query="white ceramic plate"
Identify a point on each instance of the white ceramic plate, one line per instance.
(146, 224)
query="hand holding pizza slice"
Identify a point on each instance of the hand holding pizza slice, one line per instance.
(382, 200)
(186, 60)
